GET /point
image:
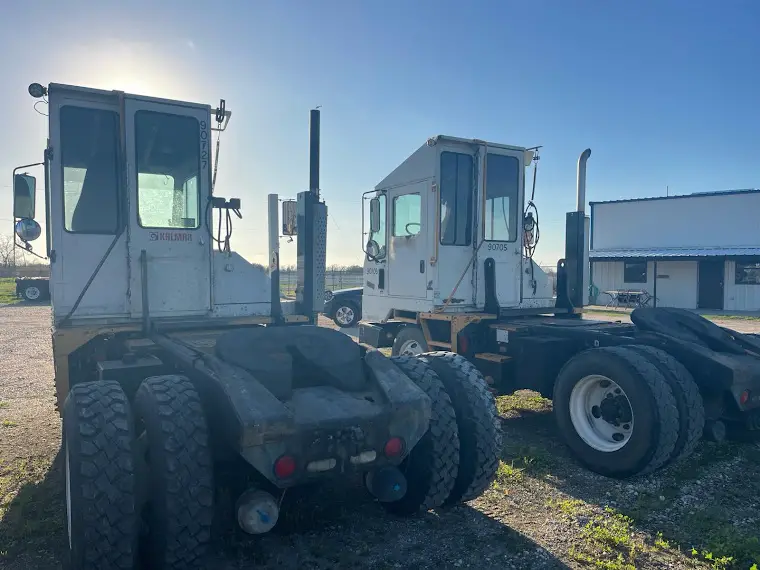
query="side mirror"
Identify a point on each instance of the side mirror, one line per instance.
(374, 215)
(24, 192)
(27, 230)
(289, 218)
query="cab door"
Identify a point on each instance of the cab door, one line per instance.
(457, 176)
(169, 180)
(86, 209)
(407, 241)
(501, 225)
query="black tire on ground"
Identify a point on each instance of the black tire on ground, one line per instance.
(431, 467)
(99, 479)
(32, 293)
(352, 310)
(180, 492)
(655, 415)
(412, 336)
(691, 409)
(478, 423)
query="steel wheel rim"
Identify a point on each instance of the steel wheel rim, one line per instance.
(601, 413)
(411, 348)
(344, 315)
(32, 293)
(68, 495)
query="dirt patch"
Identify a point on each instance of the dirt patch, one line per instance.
(544, 511)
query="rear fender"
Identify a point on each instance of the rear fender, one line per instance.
(332, 424)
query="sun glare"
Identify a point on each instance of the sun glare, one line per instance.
(157, 69)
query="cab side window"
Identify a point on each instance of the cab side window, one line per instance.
(89, 155)
(407, 215)
(456, 198)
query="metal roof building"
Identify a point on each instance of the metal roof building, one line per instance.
(696, 251)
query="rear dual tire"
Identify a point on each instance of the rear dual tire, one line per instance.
(99, 479)
(627, 410)
(179, 483)
(457, 458)
(106, 491)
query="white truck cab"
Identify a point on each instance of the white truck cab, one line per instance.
(443, 225)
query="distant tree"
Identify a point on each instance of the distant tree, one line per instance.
(6, 251)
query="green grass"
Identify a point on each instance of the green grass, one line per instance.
(4, 404)
(31, 506)
(8, 290)
(521, 401)
(8, 423)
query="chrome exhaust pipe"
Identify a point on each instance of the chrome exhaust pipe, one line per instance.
(580, 203)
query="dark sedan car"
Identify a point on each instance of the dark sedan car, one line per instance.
(344, 306)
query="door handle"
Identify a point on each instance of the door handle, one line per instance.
(422, 266)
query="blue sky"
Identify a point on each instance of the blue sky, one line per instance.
(664, 92)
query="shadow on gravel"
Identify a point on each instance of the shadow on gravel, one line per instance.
(333, 525)
(32, 528)
(339, 525)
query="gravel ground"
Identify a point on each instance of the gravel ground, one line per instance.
(542, 512)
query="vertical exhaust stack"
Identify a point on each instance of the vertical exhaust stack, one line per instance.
(312, 234)
(580, 203)
(572, 272)
(314, 151)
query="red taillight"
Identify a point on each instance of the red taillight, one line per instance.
(394, 447)
(744, 398)
(284, 467)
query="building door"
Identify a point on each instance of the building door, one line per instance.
(711, 275)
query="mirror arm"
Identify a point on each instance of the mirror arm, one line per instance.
(27, 250)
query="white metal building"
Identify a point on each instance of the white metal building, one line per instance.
(698, 251)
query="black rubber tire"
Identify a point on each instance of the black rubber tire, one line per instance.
(656, 420)
(354, 308)
(691, 409)
(685, 325)
(28, 294)
(407, 333)
(99, 470)
(432, 465)
(478, 422)
(180, 489)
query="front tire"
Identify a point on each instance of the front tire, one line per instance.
(616, 412)
(346, 315)
(409, 342)
(99, 478)
(180, 492)
(31, 293)
(478, 423)
(431, 467)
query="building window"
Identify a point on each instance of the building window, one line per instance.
(456, 198)
(502, 195)
(748, 272)
(89, 139)
(635, 272)
(168, 170)
(407, 215)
